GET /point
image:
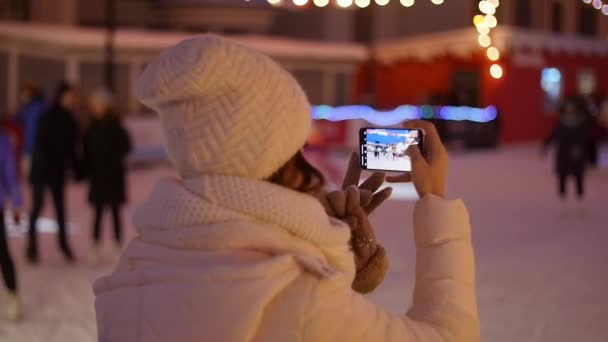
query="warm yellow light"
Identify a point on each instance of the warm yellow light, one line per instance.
(491, 21)
(483, 28)
(382, 2)
(300, 2)
(344, 3)
(321, 3)
(437, 2)
(275, 2)
(493, 53)
(478, 19)
(486, 7)
(362, 3)
(496, 71)
(484, 40)
(494, 3)
(407, 3)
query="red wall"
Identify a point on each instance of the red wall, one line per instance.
(517, 94)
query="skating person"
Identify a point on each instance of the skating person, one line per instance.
(377, 150)
(9, 192)
(32, 108)
(571, 136)
(106, 145)
(54, 153)
(240, 247)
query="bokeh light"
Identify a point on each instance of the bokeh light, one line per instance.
(321, 3)
(275, 2)
(486, 7)
(494, 3)
(362, 3)
(478, 19)
(597, 4)
(496, 71)
(408, 3)
(484, 40)
(300, 2)
(483, 28)
(491, 21)
(605, 9)
(493, 53)
(382, 2)
(437, 2)
(344, 3)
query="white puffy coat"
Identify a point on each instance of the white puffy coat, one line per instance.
(230, 259)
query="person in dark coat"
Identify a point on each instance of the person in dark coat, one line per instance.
(571, 135)
(106, 145)
(55, 152)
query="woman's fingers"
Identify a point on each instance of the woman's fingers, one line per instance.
(365, 197)
(337, 200)
(434, 147)
(374, 182)
(377, 200)
(353, 173)
(353, 201)
(402, 178)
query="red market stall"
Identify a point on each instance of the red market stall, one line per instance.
(537, 70)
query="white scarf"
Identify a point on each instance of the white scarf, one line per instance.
(219, 213)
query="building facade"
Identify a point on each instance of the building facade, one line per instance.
(325, 48)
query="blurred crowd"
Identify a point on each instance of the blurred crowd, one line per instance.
(44, 144)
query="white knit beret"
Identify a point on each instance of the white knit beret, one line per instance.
(225, 109)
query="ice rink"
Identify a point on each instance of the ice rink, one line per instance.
(542, 275)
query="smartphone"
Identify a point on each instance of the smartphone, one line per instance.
(383, 149)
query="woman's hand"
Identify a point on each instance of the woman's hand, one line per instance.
(352, 205)
(428, 174)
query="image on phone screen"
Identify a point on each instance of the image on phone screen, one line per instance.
(383, 149)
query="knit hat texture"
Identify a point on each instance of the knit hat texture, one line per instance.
(225, 109)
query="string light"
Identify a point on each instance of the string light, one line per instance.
(484, 40)
(402, 113)
(598, 5)
(496, 71)
(484, 25)
(493, 53)
(362, 3)
(344, 3)
(349, 3)
(321, 3)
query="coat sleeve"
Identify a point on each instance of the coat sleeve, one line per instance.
(444, 306)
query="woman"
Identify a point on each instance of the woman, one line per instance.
(240, 248)
(106, 145)
(572, 135)
(10, 190)
(54, 154)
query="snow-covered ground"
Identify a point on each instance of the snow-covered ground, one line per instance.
(542, 276)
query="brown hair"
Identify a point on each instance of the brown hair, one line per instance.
(313, 178)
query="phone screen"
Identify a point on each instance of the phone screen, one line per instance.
(383, 149)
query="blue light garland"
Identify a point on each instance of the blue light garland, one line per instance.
(402, 113)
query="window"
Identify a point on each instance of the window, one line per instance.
(586, 82)
(557, 17)
(551, 84)
(587, 20)
(523, 13)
